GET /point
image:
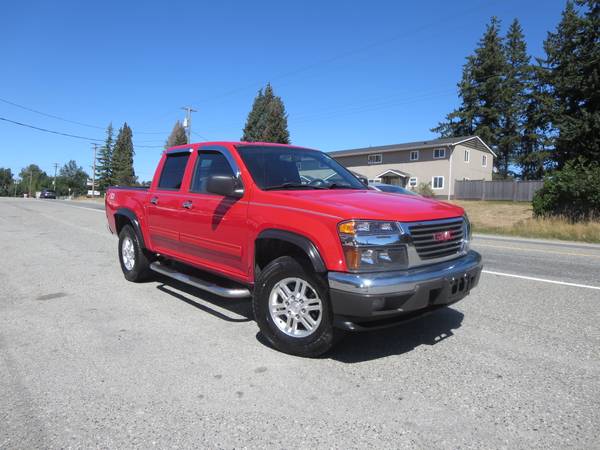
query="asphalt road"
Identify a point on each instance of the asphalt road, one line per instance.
(90, 360)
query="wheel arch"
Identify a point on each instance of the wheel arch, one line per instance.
(124, 216)
(268, 246)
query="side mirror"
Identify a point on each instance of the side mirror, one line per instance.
(225, 185)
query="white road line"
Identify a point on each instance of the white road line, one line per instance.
(543, 280)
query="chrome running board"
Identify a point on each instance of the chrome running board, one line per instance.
(199, 283)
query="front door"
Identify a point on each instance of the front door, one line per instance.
(213, 230)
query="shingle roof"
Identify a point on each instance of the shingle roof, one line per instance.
(406, 146)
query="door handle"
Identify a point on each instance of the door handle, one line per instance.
(187, 204)
(154, 200)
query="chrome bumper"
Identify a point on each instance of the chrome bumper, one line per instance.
(400, 282)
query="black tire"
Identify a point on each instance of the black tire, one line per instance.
(322, 338)
(140, 270)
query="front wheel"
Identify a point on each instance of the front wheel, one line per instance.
(133, 258)
(292, 309)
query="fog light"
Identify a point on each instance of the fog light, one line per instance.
(378, 304)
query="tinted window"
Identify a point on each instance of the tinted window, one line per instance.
(173, 170)
(209, 163)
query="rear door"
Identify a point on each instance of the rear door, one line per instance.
(164, 203)
(213, 229)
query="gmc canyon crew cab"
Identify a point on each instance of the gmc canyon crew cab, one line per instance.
(316, 250)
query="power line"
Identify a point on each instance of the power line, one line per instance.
(360, 49)
(26, 108)
(46, 130)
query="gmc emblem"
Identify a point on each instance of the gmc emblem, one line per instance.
(442, 236)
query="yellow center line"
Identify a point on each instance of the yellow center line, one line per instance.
(530, 249)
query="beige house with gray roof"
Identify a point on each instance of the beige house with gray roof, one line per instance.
(438, 162)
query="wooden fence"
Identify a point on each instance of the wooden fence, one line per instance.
(516, 191)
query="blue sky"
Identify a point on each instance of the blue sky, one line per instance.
(351, 74)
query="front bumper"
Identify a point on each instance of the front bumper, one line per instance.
(370, 300)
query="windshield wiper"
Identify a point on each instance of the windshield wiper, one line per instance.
(340, 186)
(291, 186)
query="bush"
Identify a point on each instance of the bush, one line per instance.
(572, 192)
(425, 190)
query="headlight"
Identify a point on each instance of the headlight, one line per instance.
(372, 245)
(467, 234)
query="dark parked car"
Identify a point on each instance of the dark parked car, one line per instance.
(48, 193)
(391, 188)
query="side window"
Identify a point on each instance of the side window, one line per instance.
(209, 163)
(173, 170)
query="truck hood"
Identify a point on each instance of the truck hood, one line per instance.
(368, 204)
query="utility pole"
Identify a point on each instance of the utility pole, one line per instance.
(187, 123)
(94, 171)
(54, 181)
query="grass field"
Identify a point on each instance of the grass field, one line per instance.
(516, 219)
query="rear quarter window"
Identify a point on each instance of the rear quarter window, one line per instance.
(173, 170)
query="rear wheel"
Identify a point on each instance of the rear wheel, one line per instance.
(292, 309)
(134, 260)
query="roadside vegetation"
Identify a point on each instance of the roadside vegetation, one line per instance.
(540, 115)
(517, 219)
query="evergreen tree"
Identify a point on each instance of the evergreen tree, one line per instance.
(514, 91)
(267, 121)
(461, 122)
(122, 158)
(534, 150)
(572, 75)
(482, 92)
(177, 136)
(104, 173)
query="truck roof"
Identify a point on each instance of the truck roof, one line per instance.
(234, 143)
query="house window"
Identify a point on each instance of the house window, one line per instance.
(438, 183)
(414, 155)
(467, 156)
(412, 181)
(376, 158)
(484, 160)
(439, 153)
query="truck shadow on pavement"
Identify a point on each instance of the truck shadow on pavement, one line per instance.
(369, 345)
(241, 309)
(355, 347)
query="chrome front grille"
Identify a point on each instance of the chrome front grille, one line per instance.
(437, 238)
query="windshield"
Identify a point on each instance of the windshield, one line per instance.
(274, 168)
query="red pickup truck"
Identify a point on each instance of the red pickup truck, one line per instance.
(316, 250)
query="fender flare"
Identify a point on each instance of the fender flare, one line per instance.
(300, 241)
(129, 214)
